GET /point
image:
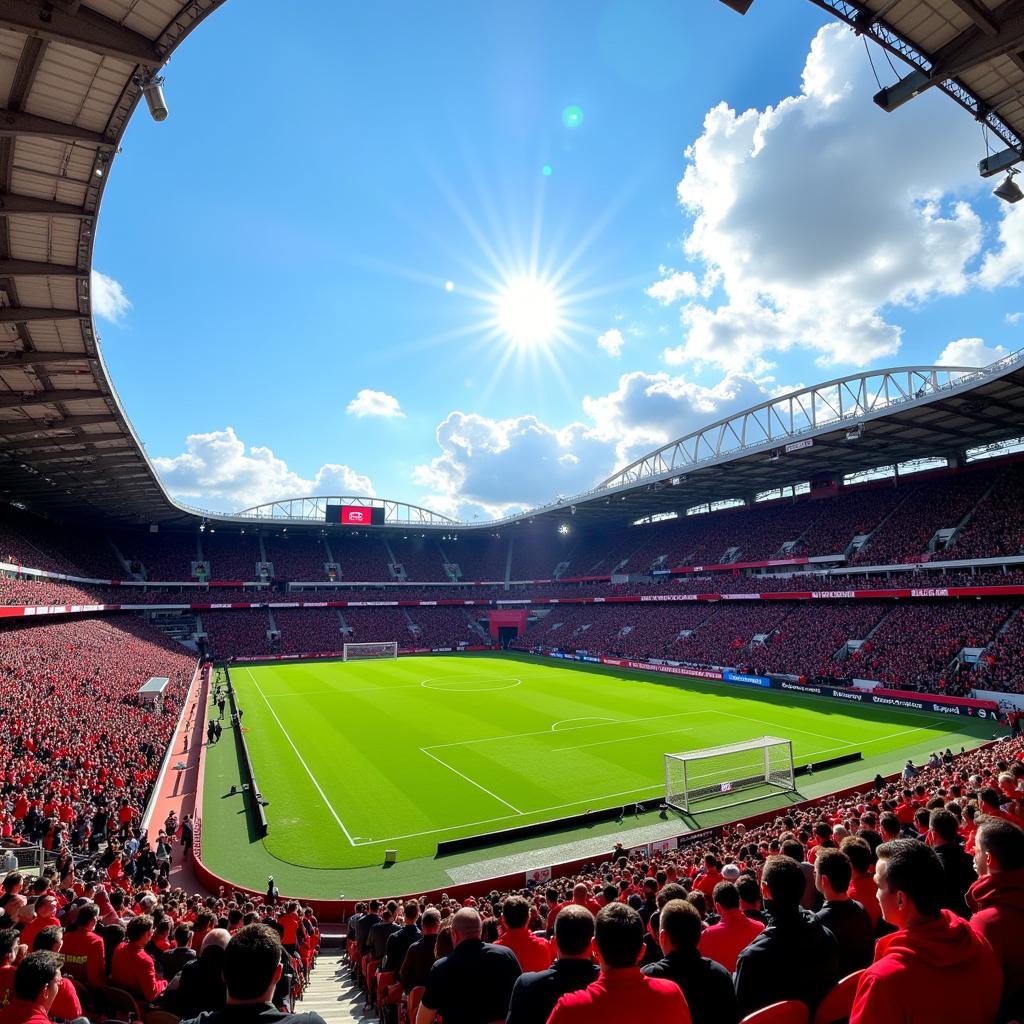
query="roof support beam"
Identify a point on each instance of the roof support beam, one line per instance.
(14, 123)
(970, 48)
(75, 440)
(18, 401)
(34, 268)
(980, 16)
(85, 29)
(22, 428)
(41, 358)
(24, 314)
(15, 204)
(998, 162)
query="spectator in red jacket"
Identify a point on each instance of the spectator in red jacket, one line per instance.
(621, 992)
(132, 968)
(83, 950)
(934, 967)
(36, 983)
(997, 899)
(532, 952)
(735, 931)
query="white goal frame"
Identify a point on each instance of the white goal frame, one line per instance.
(729, 771)
(384, 649)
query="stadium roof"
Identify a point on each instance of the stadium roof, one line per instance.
(71, 76)
(973, 50)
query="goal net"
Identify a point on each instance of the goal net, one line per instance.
(736, 773)
(366, 652)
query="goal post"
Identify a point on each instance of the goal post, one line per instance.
(736, 773)
(370, 651)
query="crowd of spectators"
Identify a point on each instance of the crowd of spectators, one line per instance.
(1001, 667)
(914, 887)
(94, 942)
(916, 644)
(297, 556)
(420, 558)
(929, 505)
(997, 525)
(305, 630)
(81, 753)
(232, 554)
(233, 633)
(163, 557)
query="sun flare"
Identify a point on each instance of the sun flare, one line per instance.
(528, 312)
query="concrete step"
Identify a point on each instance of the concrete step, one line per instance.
(332, 993)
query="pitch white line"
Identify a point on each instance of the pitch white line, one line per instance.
(547, 732)
(472, 782)
(582, 718)
(622, 739)
(312, 777)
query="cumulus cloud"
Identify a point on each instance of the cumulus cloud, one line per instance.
(374, 403)
(1013, 319)
(818, 214)
(673, 286)
(503, 465)
(488, 467)
(109, 301)
(611, 342)
(970, 352)
(218, 471)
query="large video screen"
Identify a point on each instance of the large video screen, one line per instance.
(355, 515)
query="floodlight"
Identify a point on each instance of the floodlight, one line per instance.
(1009, 191)
(152, 86)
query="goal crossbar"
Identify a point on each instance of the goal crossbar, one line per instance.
(731, 774)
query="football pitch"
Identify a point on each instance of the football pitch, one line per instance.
(356, 758)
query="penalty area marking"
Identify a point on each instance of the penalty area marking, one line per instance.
(585, 718)
(510, 683)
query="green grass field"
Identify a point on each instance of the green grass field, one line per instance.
(356, 758)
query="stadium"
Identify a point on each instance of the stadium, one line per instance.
(786, 644)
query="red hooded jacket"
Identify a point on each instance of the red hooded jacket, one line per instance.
(941, 971)
(998, 904)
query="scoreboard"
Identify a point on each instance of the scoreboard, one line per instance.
(355, 515)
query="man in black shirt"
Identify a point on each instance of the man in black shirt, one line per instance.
(400, 940)
(420, 956)
(473, 984)
(706, 984)
(536, 993)
(365, 923)
(795, 957)
(252, 969)
(958, 872)
(845, 918)
(382, 931)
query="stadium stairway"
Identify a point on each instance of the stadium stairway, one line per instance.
(332, 993)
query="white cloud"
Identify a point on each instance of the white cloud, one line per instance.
(498, 466)
(673, 286)
(488, 468)
(611, 342)
(1014, 319)
(374, 403)
(109, 301)
(1005, 265)
(970, 352)
(217, 471)
(816, 215)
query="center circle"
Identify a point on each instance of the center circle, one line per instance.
(475, 684)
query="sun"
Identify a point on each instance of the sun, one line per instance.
(528, 312)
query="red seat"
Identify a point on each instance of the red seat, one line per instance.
(790, 1011)
(836, 1006)
(415, 998)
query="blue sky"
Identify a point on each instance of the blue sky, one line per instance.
(305, 263)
